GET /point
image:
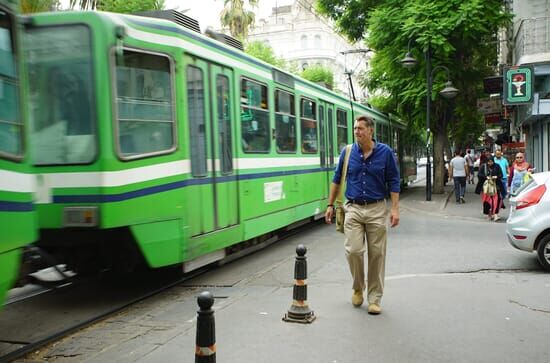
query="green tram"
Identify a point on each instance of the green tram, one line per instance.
(155, 144)
(17, 215)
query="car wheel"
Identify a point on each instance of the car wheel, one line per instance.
(543, 252)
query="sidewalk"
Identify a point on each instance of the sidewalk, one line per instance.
(436, 317)
(414, 199)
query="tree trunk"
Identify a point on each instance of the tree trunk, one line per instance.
(440, 137)
(443, 113)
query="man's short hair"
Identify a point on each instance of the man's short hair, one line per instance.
(369, 122)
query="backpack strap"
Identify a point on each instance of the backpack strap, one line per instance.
(344, 175)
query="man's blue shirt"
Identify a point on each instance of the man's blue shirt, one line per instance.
(367, 178)
(503, 163)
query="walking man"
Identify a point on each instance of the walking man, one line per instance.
(372, 167)
(504, 166)
(458, 169)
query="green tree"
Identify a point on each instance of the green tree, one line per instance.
(129, 6)
(319, 74)
(264, 52)
(459, 34)
(237, 18)
(37, 6)
(118, 6)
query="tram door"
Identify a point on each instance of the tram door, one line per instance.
(222, 101)
(326, 138)
(209, 109)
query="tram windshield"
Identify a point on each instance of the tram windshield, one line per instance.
(62, 117)
(10, 121)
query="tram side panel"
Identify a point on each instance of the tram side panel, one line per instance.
(17, 215)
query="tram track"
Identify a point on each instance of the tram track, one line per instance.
(47, 316)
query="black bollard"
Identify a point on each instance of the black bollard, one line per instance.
(299, 311)
(205, 350)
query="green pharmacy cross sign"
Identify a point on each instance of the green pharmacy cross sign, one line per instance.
(518, 85)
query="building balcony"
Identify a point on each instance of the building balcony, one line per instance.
(532, 41)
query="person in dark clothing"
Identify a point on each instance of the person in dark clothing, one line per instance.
(490, 187)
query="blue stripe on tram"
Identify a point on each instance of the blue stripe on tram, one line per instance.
(108, 198)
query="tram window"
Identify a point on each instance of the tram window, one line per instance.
(341, 128)
(62, 116)
(285, 122)
(308, 126)
(255, 133)
(224, 123)
(10, 121)
(144, 104)
(196, 114)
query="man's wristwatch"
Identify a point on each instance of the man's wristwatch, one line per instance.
(330, 205)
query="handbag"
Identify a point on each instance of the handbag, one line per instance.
(340, 212)
(489, 187)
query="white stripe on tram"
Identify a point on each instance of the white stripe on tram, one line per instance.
(11, 181)
(152, 172)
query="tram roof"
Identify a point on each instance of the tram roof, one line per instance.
(159, 28)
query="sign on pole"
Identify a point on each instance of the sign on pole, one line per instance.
(518, 85)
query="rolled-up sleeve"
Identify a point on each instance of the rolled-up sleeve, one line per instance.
(392, 173)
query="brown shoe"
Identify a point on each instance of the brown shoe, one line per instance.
(374, 309)
(357, 298)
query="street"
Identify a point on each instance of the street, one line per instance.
(455, 292)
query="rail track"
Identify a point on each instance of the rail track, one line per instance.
(40, 316)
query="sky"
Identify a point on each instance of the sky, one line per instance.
(207, 12)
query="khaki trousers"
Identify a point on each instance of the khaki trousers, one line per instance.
(367, 222)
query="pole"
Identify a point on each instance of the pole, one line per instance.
(352, 93)
(205, 350)
(428, 109)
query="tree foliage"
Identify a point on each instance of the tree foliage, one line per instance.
(237, 18)
(37, 6)
(118, 6)
(319, 74)
(130, 6)
(264, 52)
(351, 16)
(458, 34)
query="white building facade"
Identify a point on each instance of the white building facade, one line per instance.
(299, 35)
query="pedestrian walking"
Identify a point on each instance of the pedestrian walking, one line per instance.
(518, 171)
(372, 168)
(501, 161)
(470, 161)
(458, 170)
(490, 187)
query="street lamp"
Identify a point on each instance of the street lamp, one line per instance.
(448, 92)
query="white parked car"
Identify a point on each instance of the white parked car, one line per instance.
(528, 224)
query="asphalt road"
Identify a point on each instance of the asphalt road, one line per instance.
(455, 292)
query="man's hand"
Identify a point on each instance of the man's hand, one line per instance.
(394, 218)
(329, 213)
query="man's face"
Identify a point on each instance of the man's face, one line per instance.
(362, 132)
(498, 154)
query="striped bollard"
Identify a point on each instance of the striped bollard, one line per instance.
(205, 350)
(299, 311)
